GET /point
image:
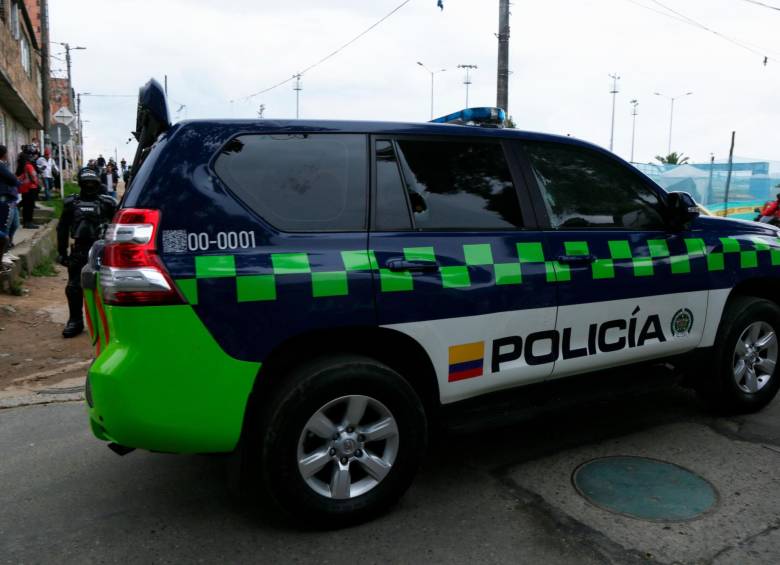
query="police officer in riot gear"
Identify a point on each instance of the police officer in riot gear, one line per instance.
(84, 218)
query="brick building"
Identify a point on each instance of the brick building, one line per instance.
(21, 106)
(34, 10)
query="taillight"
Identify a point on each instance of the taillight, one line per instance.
(131, 271)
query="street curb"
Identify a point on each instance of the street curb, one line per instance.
(40, 398)
(31, 254)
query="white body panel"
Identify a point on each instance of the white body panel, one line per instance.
(580, 316)
(437, 336)
(715, 306)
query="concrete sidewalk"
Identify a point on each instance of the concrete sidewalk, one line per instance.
(31, 247)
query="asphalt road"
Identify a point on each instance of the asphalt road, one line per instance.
(496, 496)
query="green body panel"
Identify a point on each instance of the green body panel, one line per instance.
(166, 385)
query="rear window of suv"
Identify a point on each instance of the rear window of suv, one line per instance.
(300, 182)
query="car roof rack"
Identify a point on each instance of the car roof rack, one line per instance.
(484, 117)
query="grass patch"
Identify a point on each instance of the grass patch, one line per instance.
(16, 288)
(44, 269)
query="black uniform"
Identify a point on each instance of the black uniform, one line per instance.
(84, 218)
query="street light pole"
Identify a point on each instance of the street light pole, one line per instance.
(467, 82)
(297, 88)
(615, 78)
(432, 73)
(671, 114)
(635, 104)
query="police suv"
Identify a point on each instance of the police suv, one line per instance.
(314, 295)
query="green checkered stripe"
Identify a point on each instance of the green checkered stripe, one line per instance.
(258, 288)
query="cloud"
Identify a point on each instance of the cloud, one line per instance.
(560, 55)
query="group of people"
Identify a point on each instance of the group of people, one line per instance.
(84, 215)
(20, 190)
(34, 176)
(109, 172)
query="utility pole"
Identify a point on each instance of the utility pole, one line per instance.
(80, 146)
(502, 83)
(615, 78)
(708, 196)
(728, 178)
(46, 72)
(433, 73)
(671, 113)
(68, 49)
(297, 88)
(634, 105)
(166, 86)
(467, 82)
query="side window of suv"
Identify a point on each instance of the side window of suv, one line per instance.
(583, 189)
(459, 185)
(300, 182)
(391, 209)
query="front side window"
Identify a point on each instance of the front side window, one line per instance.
(583, 189)
(459, 185)
(300, 182)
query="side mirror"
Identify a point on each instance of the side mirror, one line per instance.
(682, 209)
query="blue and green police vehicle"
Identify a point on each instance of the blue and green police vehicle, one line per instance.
(314, 296)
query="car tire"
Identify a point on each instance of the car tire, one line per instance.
(746, 338)
(292, 443)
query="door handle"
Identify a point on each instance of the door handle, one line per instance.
(397, 265)
(576, 259)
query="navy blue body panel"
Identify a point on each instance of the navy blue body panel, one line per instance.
(178, 179)
(471, 289)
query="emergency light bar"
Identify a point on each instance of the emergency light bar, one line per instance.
(487, 117)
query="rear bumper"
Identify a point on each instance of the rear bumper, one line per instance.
(162, 383)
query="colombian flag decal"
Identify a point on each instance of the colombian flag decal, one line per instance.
(466, 361)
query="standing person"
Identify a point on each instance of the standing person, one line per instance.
(110, 178)
(8, 196)
(49, 170)
(84, 218)
(101, 163)
(123, 164)
(28, 177)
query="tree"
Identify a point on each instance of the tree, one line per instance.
(673, 158)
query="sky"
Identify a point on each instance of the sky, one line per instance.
(561, 55)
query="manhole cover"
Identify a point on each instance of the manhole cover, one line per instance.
(644, 488)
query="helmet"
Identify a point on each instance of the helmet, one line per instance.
(89, 182)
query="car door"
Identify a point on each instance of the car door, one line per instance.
(460, 261)
(629, 287)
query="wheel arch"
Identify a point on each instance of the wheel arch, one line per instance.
(397, 350)
(767, 288)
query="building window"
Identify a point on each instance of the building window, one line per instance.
(15, 25)
(24, 49)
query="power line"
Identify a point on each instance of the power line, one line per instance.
(680, 17)
(757, 3)
(330, 55)
(755, 49)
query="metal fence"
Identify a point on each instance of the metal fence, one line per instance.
(752, 184)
